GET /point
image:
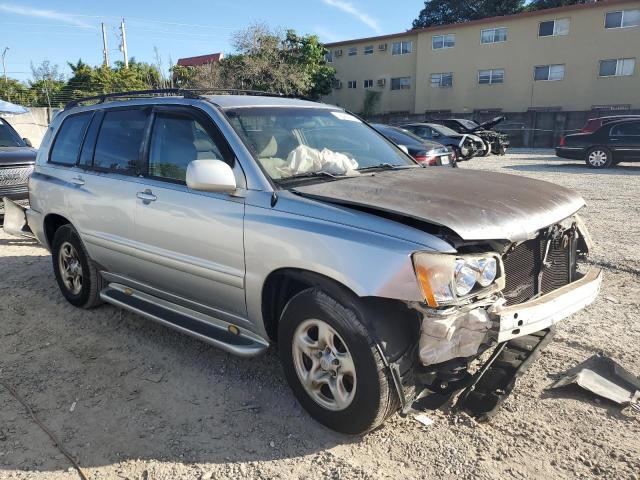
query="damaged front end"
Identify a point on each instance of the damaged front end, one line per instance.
(502, 295)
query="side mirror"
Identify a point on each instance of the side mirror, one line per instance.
(404, 149)
(211, 176)
(27, 142)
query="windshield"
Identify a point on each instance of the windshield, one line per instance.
(294, 142)
(446, 131)
(8, 137)
(469, 124)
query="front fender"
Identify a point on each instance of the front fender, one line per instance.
(368, 263)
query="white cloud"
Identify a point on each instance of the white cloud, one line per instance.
(46, 14)
(349, 8)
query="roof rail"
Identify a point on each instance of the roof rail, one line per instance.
(186, 93)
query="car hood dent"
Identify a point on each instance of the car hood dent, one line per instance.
(476, 205)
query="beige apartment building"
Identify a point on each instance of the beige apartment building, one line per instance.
(573, 58)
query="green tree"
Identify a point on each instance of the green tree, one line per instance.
(270, 60)
(443, 12)
(543, 4)
(14, 91)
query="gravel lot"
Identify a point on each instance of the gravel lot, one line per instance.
(132, 399)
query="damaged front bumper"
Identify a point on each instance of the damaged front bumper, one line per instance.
(456, 333)
(547, 310)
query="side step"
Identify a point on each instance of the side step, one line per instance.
(496, 378)
(218, 333)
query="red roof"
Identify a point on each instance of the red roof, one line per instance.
(200, 60)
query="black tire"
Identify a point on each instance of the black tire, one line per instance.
(487, 150)
(374, 398)
(92, 282)
(599, 157)
(459, 157)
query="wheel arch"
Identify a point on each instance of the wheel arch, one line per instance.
(52, 222)
(394, 324)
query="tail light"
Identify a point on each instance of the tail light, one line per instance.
(562, 140)
(427, 160)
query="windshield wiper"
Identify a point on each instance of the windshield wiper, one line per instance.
(383, 166)
(309, 175)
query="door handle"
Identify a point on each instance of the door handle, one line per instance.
(146, 196)
(614, 139)
(77, 181)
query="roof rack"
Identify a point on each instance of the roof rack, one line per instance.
(186, 93)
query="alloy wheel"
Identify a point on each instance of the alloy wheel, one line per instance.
(324, 364)
(70, 268)
(598, 158)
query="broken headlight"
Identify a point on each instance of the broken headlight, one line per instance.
(451, 279)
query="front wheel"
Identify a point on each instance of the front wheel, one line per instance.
(332, 364)
(599, 157)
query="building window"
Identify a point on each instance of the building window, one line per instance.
(442, 80)
(620, 67)
(493, 35)
(352, 84)
(548, 72)
(368, 84)
(352, 51)
(402, 48)
(401, 83)
(490, 77)
(554, 28)
(328, 57)
(622, 19)
(368, 50)
(443, 41)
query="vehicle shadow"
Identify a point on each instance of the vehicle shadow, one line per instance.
(113, 386)
(576, 168)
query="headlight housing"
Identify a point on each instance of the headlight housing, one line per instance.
(451, 279)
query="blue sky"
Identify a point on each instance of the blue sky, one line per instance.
(61, 31)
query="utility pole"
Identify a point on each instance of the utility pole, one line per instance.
(105, 49)
(4, 67)
(123, 45)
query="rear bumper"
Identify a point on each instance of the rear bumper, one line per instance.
(547, 310)
(574, 153)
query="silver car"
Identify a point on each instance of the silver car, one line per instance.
(249, 220)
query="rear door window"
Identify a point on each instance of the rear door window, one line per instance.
(120, 140)
(626, 130)
(66, 146)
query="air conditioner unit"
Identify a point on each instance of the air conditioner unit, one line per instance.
(337, 84)
(382, 82)
(382, 47)
(338, 53)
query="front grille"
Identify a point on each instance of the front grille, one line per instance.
(13, 176)
(522, 266)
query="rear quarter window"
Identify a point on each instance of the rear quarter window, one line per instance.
(66, 146)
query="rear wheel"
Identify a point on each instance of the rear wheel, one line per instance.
(332, 364)
(599, 157)
(78, 278)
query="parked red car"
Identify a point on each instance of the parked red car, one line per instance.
(594, 124)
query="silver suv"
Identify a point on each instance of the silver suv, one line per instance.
(249, 220)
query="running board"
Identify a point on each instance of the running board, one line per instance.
(218, 333)
(496, 378)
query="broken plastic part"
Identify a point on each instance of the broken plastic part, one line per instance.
(604, 377)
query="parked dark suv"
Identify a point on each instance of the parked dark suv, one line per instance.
(17, 159)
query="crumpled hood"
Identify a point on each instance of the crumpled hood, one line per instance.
(476, 205)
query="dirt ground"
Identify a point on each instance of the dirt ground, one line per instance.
(132, 399)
